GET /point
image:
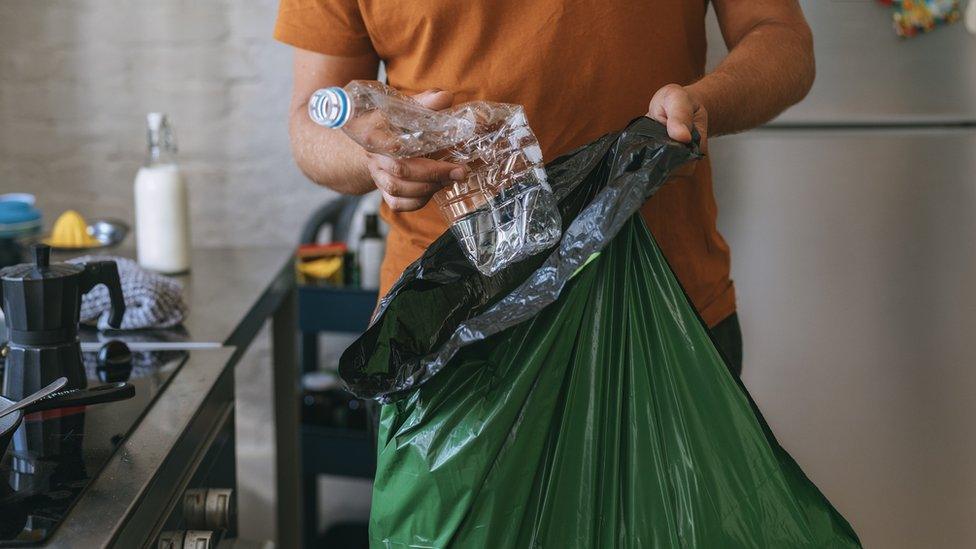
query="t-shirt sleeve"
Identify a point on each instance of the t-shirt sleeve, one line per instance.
(332, 27)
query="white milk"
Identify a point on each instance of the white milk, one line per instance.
(162, 205)
(971, 16)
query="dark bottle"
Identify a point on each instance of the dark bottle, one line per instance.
(371, 249)
(326, 404)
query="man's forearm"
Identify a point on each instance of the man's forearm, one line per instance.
(328, 158)
(769, 69)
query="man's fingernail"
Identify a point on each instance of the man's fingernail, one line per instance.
(457, 174)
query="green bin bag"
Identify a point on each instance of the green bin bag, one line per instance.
(574, 400)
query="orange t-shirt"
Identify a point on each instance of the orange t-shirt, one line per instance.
(581, 68)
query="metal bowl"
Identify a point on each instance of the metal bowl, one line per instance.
(108, 233)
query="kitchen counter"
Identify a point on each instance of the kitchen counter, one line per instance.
(231, 295)
(223, 290)
(143, 481)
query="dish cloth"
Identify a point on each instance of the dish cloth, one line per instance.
(151, 300)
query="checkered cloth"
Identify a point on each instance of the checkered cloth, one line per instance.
(151, 300)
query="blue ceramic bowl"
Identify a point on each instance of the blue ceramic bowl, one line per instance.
(18, 216)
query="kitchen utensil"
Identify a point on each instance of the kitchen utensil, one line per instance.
(41, 303)
(46, 392)
(72, 233)
(55, 456)
(9, 422)
(108, 232)
(110, 392)
(153, 346)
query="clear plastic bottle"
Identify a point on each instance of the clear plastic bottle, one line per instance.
(504, 211)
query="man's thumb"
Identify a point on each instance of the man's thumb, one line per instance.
(435, 99)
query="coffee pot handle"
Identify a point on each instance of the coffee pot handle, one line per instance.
(107, 273)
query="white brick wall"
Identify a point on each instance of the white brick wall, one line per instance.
(78, 76)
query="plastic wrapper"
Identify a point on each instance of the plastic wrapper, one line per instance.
(576, 399)
(504, 210)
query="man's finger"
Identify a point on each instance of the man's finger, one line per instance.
(678, 131)
(680, 113)
(399, 204)
(435, 99)
(701, 124)
(422, 169)
(401, 188)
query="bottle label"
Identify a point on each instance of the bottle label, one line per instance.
(330, 107)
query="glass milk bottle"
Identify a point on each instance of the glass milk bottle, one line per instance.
(162, 212)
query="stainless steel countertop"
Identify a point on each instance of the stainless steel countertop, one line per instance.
(231, 293)
(223, 287)
(106, 507)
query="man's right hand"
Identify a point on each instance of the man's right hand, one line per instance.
(407, 184)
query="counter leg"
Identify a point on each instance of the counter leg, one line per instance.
(284, 328)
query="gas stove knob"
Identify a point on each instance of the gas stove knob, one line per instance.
(171, 539)
(209, 508)
(195, 508)
(186, 539)
(199, 539)
(220, 508)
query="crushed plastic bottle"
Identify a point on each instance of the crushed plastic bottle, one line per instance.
(504, 211)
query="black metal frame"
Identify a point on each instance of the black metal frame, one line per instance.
(328, 451)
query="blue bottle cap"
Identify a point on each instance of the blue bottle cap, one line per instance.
(330, 107)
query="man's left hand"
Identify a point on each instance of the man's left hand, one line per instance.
(677, 107)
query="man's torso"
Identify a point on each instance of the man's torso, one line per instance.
(581, 68)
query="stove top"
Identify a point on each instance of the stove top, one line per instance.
(55, 454)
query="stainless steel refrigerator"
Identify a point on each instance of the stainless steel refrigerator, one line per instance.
(852, 221)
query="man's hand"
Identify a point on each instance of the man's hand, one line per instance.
(770, 66)
(677, 108)
(407, 184)
(332, 159)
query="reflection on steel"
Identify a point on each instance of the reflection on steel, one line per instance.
(125, 502)
(108, 232)
(232, 294)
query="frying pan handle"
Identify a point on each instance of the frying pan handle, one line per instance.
(84, 397)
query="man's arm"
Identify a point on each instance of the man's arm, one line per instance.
(332, 159)
(328, 158)
(770, 66)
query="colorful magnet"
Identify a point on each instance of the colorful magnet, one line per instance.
(912, 17)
